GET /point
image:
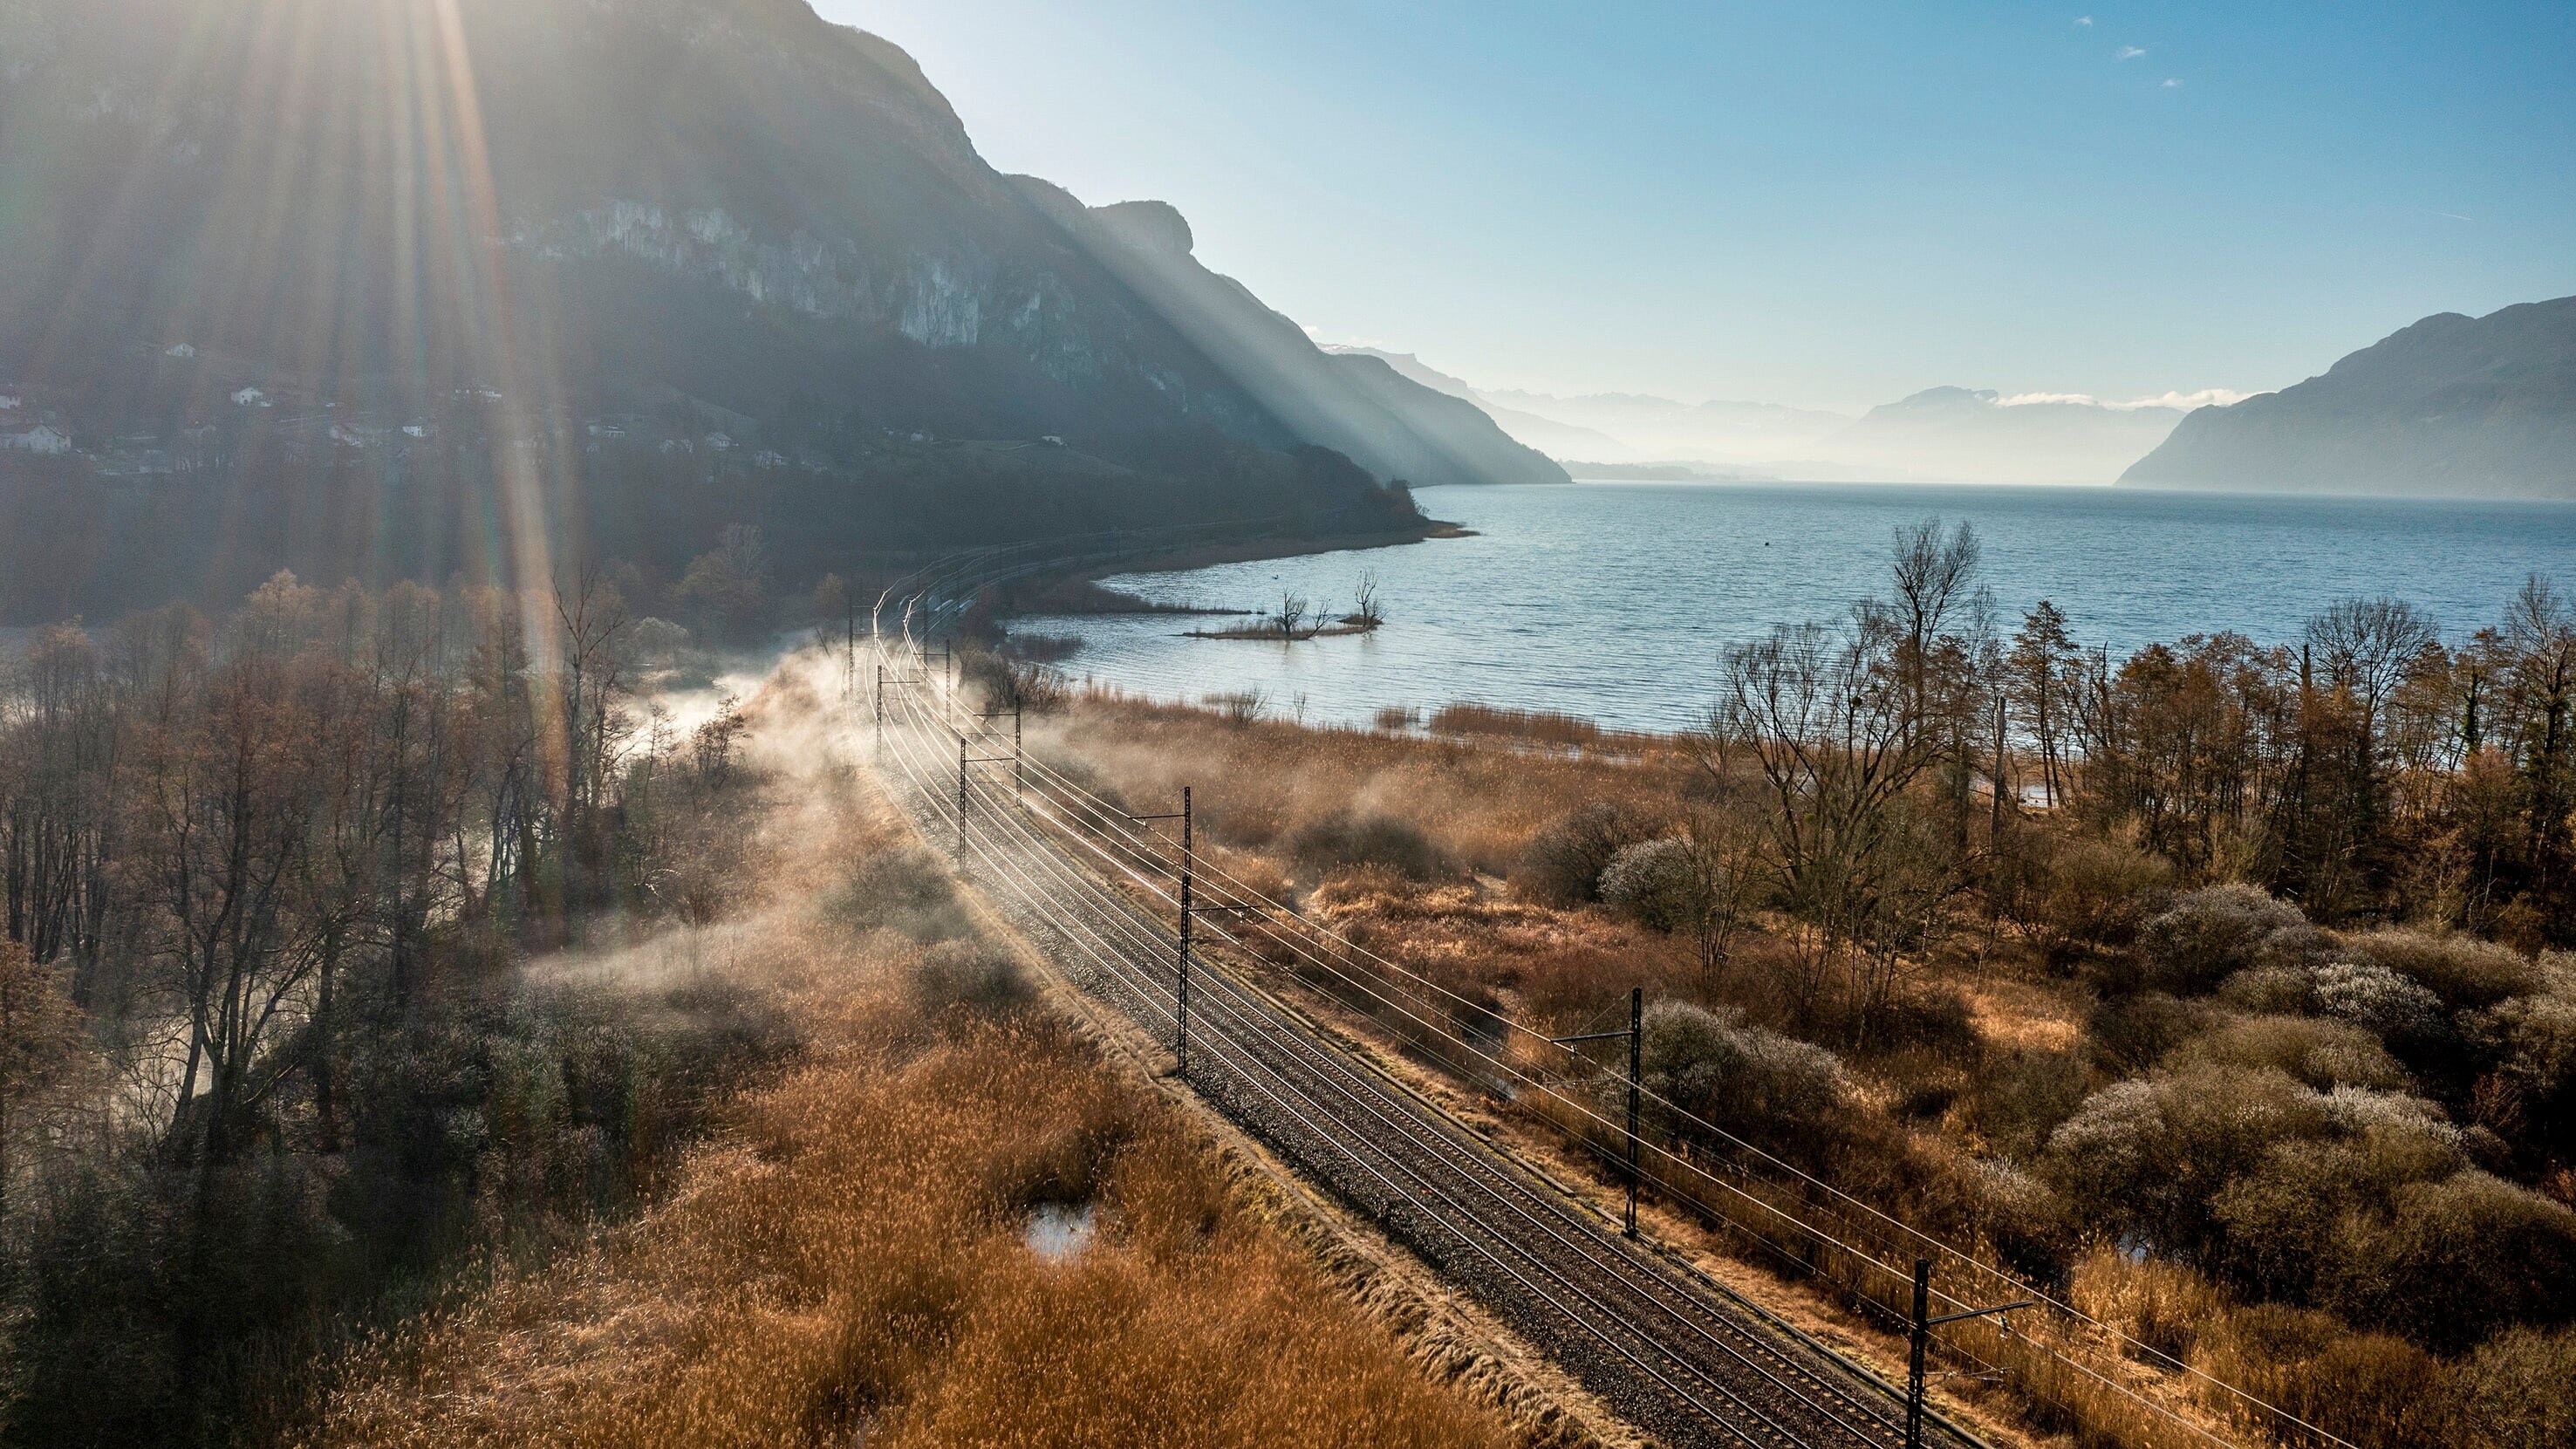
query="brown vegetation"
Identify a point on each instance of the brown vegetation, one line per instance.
(850, 1259)
(551, 1079)
(2230, 1015)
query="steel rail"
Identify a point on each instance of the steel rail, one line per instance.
(1655, 1291)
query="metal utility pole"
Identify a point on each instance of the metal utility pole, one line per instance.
(1636, 1061)
(1921, 1340)
(1191, 910)
(1019, 774)
(961, 795)
(1636, 1035)
(1181, 1017)
(1916, 1343)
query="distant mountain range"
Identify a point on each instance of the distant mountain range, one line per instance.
(337, 282)
(1943, 434)
(2454, 405)
(1956, 433)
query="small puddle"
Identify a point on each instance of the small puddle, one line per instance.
(1060, 1232)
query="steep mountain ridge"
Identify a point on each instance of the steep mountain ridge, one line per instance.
(2453, 405)
(1356, 404)
(369, 257)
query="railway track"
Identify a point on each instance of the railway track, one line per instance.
(1682, 1362)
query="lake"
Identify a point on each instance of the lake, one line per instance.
(1613, 600)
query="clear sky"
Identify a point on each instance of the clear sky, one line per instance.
(1811, 201)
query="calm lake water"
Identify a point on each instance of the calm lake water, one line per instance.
(1613, 600)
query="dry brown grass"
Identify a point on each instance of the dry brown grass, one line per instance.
(1260, 781)
(857, 1258)
(848, 1260)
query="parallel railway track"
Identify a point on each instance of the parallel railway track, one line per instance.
(1684, 1363)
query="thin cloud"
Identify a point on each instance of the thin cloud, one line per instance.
(2083, 19)
(2129, 52)
(2172, 84)
(2452, 215)
(2206, 397)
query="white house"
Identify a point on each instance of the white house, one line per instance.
(183, 351)
(251, 397)
(44, 440)
(415, 430)
(769, 458)
(720, 442)
(8, 402)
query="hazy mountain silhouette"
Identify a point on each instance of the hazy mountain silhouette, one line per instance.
(1355, 403)
(2453, 405)
(1651, 428)
(1557, 440)
(1978, 436)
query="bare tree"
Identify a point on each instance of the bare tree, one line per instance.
(1291, 618)
(1935, 579)
(1822, 716)
(40, 1041)
(1366, 612)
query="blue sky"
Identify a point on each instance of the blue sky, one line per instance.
(1818, 202)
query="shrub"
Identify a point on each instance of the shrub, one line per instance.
(2462, 970)
(1565, 859)
(2522, 1390)
(2534, 1040)
(2319, 1054)
(2275, 990)
(2081, 894)
(2208, 935)
(1341, 841)
(903, 890)
(2146, 1156)
(2277, 1224)
(1657, 884)
(2018, 1102)
(2457, 1259)
(2376, 997)
(1746, 1080)
(2133, 1033)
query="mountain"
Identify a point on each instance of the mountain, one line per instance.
(1357, 404)
(1556, 440)
(1660, 429)
(1954, 433)
(379, 287)
(1943, 434)
(2453, 405)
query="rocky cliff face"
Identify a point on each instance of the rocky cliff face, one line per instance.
(2454, 405)
(575, 204)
